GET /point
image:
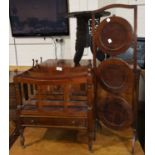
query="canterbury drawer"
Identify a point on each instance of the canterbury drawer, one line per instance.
(73, 122)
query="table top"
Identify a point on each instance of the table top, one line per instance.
(87, 14)
(57, 69)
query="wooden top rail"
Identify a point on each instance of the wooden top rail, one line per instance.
(49, 73)
(114, 6)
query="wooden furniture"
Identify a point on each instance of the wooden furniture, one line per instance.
(56, 94)
(83, 34)
(117, 81)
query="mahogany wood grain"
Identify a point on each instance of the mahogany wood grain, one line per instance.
(56, 94)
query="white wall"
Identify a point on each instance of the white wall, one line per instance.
(102, 3)
(128, 14)
(28, 48)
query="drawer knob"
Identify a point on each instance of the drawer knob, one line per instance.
(32, 121)
(90, 107)
(73, 122)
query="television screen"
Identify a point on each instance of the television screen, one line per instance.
(38, 17)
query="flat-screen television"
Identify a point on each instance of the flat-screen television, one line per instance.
(38, 18)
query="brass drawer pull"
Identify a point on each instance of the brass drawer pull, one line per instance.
(90, 108)
(73, 122)
(32, 121)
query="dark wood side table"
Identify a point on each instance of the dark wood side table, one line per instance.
(56, 94)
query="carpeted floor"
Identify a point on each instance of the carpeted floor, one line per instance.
(42, 141)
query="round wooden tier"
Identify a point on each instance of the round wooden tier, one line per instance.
(114, 35)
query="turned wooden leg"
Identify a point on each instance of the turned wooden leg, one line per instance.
(21, 136)
(94, 133)
(90, 141)
(133, 142)
(94, 136)
(90, 146)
